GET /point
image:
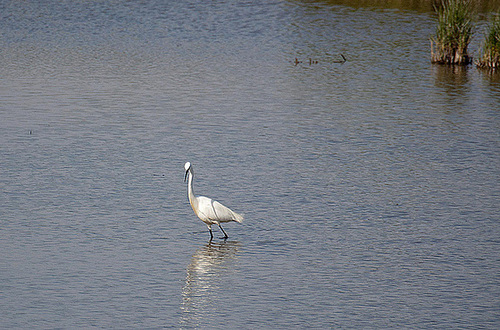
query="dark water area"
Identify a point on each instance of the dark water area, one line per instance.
(480, 6)
(370, 187)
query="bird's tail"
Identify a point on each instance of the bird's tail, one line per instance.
(238, 217)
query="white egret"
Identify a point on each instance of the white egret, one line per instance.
(209, 211)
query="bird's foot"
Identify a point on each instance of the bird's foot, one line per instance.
(224, 232)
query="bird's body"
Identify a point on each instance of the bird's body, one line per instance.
(208, 210)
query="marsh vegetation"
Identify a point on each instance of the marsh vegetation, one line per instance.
(453, 33)
(490, 56)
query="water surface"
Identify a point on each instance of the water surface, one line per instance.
(369, 188)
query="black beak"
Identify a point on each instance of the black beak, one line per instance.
(185, 175)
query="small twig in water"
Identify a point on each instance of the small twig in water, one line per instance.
(343, 60)
(312, 61)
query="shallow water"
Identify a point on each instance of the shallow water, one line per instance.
(369, 188)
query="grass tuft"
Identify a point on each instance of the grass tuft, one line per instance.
(453, 33)
(490, 57)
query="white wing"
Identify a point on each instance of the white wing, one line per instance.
(215, 211)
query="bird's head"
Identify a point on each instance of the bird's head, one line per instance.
(187, 167)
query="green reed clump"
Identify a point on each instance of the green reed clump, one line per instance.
(490, 57)
(453, 33)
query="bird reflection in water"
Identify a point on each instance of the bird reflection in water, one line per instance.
(210, 265)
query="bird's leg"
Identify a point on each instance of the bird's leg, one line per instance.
(225, 235)
(211, 234)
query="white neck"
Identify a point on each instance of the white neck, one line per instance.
(190, 187)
